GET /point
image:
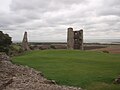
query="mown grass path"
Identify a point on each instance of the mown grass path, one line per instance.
(85, 69)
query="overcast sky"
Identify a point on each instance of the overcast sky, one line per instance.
(48, 20)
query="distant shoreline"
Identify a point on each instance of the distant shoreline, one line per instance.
(89, 41)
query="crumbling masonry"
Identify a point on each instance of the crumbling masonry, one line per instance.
(75, 39)
(25, 45)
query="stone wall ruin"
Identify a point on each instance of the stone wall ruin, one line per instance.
(75, 39)
(25, 45)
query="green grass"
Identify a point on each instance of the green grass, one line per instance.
(86, 69)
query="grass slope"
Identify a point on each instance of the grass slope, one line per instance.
(85, 69)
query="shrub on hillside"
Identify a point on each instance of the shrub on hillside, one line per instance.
(105, 51)
(15, 49)
(52, 47)
(5, 42)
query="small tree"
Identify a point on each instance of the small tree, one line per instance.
(5, 42)
(52, 47)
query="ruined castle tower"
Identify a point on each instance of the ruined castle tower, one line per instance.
(25, 45)
(75, 39)
(70, 38)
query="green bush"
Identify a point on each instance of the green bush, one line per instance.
(15, 49)
(105, 51)
(5, 42)
(52, 47)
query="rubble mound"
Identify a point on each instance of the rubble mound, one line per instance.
(117, 80)
(18, 77)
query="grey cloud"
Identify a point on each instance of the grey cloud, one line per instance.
(7, 19)
(112, 2)
(48, 19)
(110, 7)
(110, 11)
(42, 4)
(28, 4)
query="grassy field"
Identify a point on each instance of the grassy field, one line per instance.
(86, 69)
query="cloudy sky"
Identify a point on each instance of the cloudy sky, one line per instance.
(48, 20)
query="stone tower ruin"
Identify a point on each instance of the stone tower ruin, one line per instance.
(25, 45)
(75, 39)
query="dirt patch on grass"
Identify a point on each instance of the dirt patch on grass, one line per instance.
(115, 49)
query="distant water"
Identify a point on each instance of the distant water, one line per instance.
(103, 41)
(108, 41)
